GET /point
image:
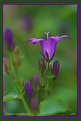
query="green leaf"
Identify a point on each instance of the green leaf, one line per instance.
(9, 97)
(51, 77)
(52, 107)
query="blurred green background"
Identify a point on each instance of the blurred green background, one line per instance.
(31, 21)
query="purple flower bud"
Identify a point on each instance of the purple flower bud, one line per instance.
(6, 65)
(5, 61)
(9, 38)
(63, 27)
(34, 105)
(28, 89)
(27, 22)
(42, 65)
(56, 68)
(35, 81)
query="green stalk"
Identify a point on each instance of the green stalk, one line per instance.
(20, 92)
(25, 105)
(13, 84)
(21, 96)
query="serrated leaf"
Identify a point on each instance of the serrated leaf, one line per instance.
(52, 107)
(9, 97)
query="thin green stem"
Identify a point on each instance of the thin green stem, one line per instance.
(13, 84)
(22, 98)
(20, 92)
(25, 105)
(51, 86)
(48, 65)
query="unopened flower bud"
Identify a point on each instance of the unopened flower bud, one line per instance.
(34, 105)
(56, 68)
(35, 81)
(28, 89)
(27, 22)
(9, 39)
(42, 65)
(17, 50)
(6, 65)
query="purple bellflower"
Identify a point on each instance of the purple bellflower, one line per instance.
(56, 68)
(9, 38)
(28, 89)
(48, 46)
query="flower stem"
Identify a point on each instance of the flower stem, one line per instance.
(48, 65)
(52, 84)
(13, 84)
(22, 98)
(20, 92)
(25, 105)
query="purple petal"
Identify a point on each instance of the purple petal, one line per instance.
(51, 46)
(65, 36)
(34, 40)
(47, 47)
(57, 38)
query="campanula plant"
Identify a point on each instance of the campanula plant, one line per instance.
(30, 91)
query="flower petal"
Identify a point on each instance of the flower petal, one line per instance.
(57, 38)
(52, 44)
(34, 40)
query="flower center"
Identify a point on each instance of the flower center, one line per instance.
(47, 34)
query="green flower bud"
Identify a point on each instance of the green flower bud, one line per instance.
(17, 50)
(16, 61)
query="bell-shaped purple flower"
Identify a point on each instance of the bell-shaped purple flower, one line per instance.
(9, 38)
(48, 46)
(34, 105)
(56, 68)
(28, 89)
(35, 81)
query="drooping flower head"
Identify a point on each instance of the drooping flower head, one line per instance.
(9, 38)
(28, 89)
(48, 46)
(56, 68)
